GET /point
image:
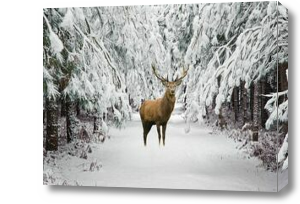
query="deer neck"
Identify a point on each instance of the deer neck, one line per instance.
(168, 103)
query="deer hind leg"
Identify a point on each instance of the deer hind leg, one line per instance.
(158, 132)
(164, 133)
(147, 128)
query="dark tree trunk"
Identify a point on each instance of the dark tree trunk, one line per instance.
(129, 100)
(282, 79)
(214, 102)
(44, 117)
(62, 85)
(97, 123)
(221, 119)
(206, 113)
(78, 108)
(251, 101)
(63, 111)
(184, 92)
(256, 111)
(244, 107)
(236, 104)
(44, 112)
(215, 96)
(52, 125)
(71, 119)
(283, 130)
(232, 101)
(104, 116)
(265, 89)
(282, 86)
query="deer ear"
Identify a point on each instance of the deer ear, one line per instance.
(165, 83)
(178, 82)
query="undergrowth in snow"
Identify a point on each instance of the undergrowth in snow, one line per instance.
(265, 149)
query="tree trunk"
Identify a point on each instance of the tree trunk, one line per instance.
(265, 89)
(44, 110)
(104, 116)
(97, 123)
(282, 79)
(282, 86)
(256, 111)
(52, 125)
(63, 111)
(213, 105)
(206, 113)
(71, 119)
(251, 101)
(184, 92)
(44, 116)
(221, 119)
(236, 104)
(77, 108)
(62, 85)
(232, 102)
(245, 104)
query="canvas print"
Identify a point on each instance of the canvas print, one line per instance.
(179, 96)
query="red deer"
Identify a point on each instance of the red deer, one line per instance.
(157, 112)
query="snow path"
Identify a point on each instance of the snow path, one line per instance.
(196, 160)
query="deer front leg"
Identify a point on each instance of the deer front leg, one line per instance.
(164, 127)
(147, 128)
(158, 132)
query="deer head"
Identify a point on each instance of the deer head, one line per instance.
(170, 85)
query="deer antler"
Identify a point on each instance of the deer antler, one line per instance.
(157, 75)
(184, 73)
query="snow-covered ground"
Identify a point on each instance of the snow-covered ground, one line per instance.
(195, 160)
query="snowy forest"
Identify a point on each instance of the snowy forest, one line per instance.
(231, 109)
